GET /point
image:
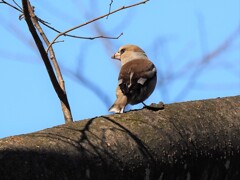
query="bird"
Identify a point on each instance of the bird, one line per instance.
(137, 77)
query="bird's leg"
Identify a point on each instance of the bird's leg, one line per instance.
(144, 104)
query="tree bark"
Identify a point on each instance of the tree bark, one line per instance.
(189, 140)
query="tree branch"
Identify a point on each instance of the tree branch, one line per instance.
(110, 7)
(18, 8)
(60, 92)
(66, 110)
(79, 37)
(86, 23)
(14, 7)
(190, 140)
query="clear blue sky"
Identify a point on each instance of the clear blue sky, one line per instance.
(182, 38)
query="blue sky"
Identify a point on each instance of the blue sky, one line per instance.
(194, 44)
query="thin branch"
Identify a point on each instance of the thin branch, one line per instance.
(110, 7)
(54, 29)
(18, 9)
(17, 4)
(74, 36)
(67, 112)
(61, 94)
(100, 17)
(80, 37)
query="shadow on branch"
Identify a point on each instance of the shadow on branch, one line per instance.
(190, 140)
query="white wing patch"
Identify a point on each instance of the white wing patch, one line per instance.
(131, 75)
(120, 81)
(141, 81)
(147, 75)
(150, 74)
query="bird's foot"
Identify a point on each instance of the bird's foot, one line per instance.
(154, 106)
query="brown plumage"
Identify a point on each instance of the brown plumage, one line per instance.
(137, 78)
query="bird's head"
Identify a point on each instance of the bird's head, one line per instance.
(129, 52)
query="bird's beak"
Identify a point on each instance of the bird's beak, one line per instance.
(116, 56)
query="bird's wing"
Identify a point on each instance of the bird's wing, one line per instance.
(135, 74)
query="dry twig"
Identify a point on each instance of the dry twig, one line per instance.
(110, 7)
(74, 36)
(18, 8)
(60, 92)
(66, 110)
(100, 17)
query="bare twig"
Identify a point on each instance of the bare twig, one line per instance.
(110, 7)
(17, 5)
(100, 17)
(54, 29)
(74, 36)
(17, 8)
(66, 111)
(60, 92)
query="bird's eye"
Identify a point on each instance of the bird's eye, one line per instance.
(122, 51)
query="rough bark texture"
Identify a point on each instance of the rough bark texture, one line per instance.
(190, 140)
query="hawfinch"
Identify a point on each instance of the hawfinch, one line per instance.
(137, 78)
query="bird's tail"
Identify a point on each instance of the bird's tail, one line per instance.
(119, 105)
(116, 108)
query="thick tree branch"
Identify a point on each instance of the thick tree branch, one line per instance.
(190, 140)
(60, 92)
